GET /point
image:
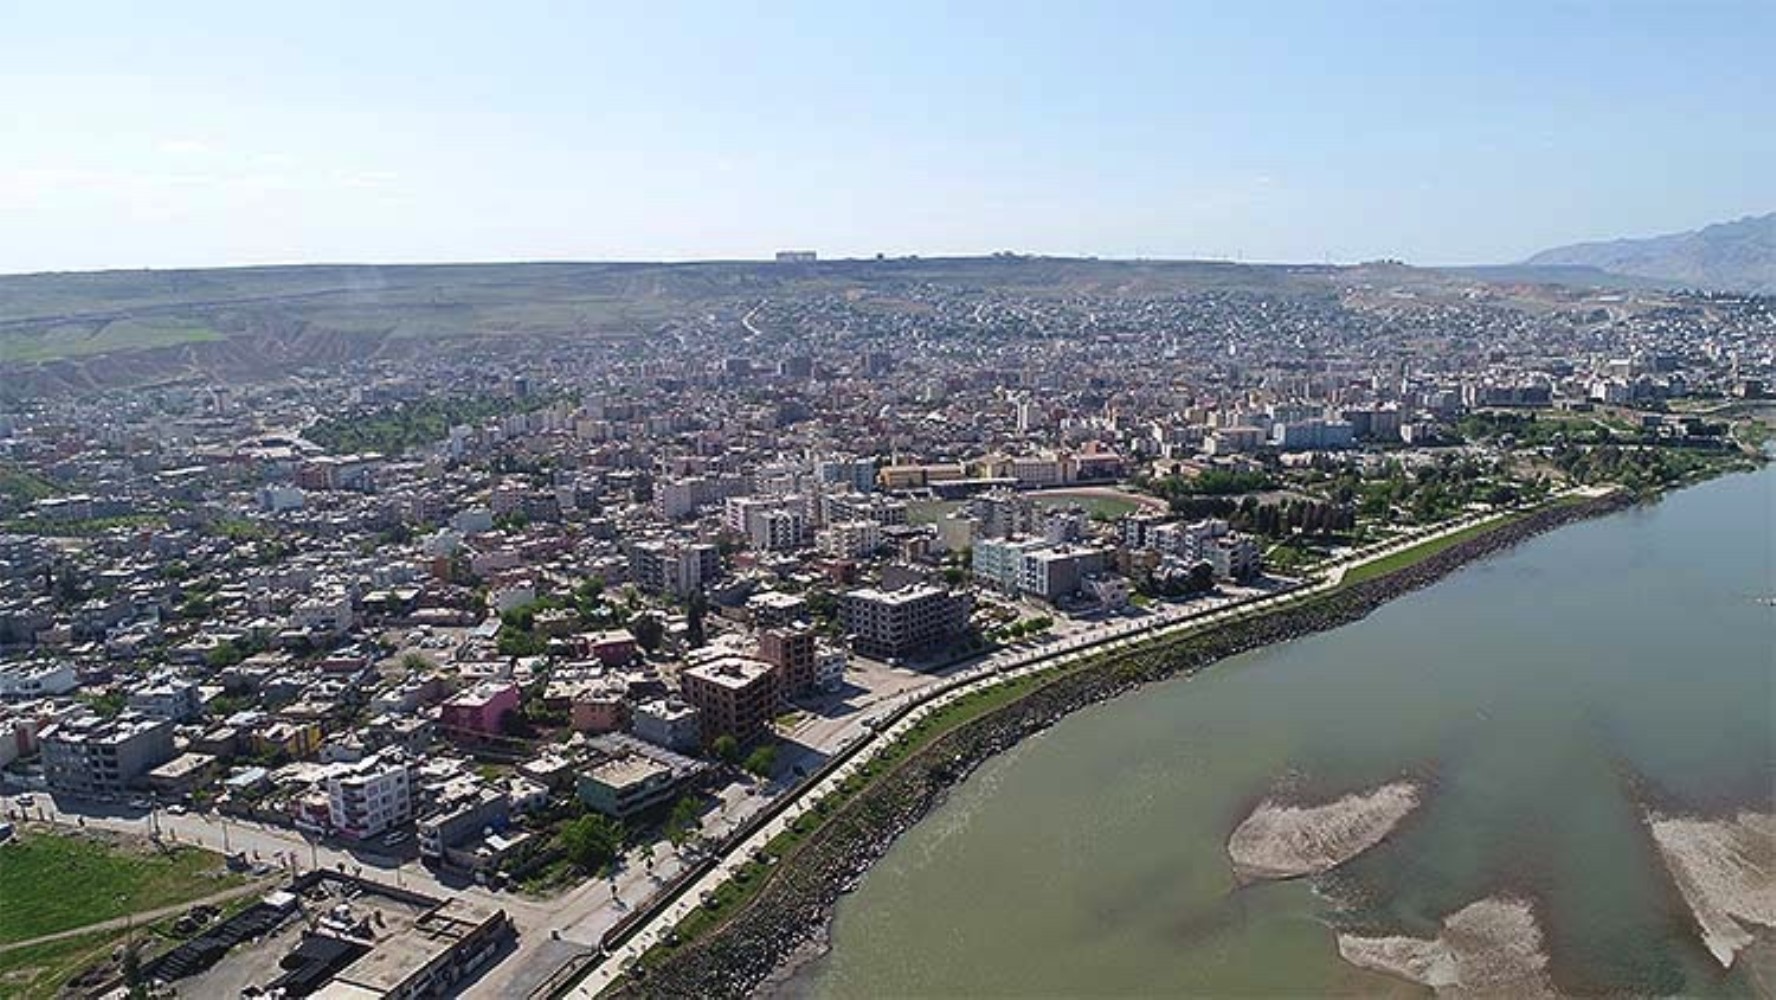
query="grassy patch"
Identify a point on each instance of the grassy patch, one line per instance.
(54, 883)
(931, 511)
(22, 487)
(1102, 506)
(1424, 550)
(1756, 433)
(1420, 552)
(37, 972)
(82, 529)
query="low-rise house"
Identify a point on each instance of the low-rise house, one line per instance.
(667, 722)
(37, 680)
(479, 712)
(184, 774)
(623, 786)
(456, 822)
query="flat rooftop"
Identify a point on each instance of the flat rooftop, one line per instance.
(734, 672)
(395, 957)
(625, 771)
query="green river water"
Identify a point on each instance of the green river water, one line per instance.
(1542, 695)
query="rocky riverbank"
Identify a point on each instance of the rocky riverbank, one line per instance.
(795, 904)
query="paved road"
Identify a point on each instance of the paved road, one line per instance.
(1106, 637)
(583, 914)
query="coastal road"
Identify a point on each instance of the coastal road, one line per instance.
(552, 930)
(1106, 637)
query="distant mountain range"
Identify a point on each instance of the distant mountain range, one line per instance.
(1737, 256)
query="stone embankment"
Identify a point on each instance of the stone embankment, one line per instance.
(734, 959)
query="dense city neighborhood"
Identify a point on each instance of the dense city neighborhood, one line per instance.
(535, 624)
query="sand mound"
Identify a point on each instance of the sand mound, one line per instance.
(1491, 948)
(1726, 870)
(1279, 841)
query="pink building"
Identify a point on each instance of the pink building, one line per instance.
(477, 713)
(613, 649)
(597, 710)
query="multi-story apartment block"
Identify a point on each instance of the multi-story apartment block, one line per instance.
(1002, 514)
(1234, 557)
(792, 652)
(367, 797)
(167, 697)
(87, 755)
(735, 695)
(778, 531)
(838, 507)
(999, 561)
(1053, 572)
(478, 712)
(774, 608)
(829, 667)
(673, 567)
(1036, 566)
(849, 539)
(896, 623)
(857, 474)
(37, 680)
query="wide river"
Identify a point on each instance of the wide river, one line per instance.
(1543, 695)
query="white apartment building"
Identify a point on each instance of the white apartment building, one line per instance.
(370, 796)
(37, 680)
(829, 667)
(850, 539)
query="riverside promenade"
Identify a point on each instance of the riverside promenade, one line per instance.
(655, 923)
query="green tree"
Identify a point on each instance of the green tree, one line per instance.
(109, 705)
(648, 631)
(132, 972)
(590, 841)
(685, 819)
(762, 761)
(726, 749)
(226, 654)
(697, 609)
(517, 642)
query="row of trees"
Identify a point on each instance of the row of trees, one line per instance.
(760, 762)
(1022, 629)
(419, 422)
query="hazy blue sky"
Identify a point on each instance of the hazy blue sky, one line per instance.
(167, 134)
